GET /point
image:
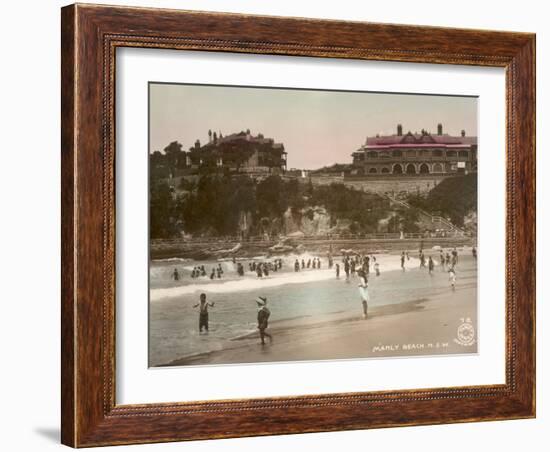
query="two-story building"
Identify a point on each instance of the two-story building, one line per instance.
(416, 153)
(239, 152)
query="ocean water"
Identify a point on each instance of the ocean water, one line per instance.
(310, 294)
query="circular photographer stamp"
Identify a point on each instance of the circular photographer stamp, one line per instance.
(465, 333)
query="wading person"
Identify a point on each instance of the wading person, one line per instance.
(452, 278)
(176, 275)
(430, 265)
(403, 260)
(377, 268)
(363, 291)
(455, 256)
(263, 317)
(203, 312)
(296, 266)
(337, 271)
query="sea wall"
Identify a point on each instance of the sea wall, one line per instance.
(165, 249)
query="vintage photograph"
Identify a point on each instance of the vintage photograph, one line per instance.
(298, 224)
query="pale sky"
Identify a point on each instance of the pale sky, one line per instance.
(317, 128)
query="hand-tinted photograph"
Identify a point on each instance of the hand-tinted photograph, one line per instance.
(297, 225)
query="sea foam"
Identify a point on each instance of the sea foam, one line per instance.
(275, 279)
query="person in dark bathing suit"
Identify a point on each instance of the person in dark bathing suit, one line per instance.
(203, 312)
(263, 317)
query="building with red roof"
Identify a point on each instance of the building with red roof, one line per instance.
(416, 154)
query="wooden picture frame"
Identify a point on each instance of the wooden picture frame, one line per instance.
(90, 35)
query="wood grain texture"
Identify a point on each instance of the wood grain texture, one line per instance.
(90, 36)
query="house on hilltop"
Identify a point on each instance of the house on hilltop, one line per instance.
(238, 152)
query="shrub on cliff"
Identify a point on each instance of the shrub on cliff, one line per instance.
(454, 198)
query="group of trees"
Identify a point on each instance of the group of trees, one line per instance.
(454, 198)
(216, 204)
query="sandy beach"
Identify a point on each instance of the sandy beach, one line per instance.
(422, 319)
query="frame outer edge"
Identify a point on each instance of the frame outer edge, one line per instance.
(86, 420)
(68, 241)
(525, 62)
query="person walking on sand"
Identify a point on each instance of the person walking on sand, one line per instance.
(430, 265)
(263, 317)
(363, 291)
(452, 278)
(203, 312)
(296, 266)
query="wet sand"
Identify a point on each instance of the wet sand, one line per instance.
(419, 326)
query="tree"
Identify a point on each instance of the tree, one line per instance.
(454, 198)
(174, 154)
(162, 212)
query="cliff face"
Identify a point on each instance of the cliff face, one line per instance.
(309, 220)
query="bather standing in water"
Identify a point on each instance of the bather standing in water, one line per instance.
(263, 317)
(430, 265)
(363, 291)
(203, 312)
(452, 278)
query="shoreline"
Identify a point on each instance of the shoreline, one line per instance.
(285, 326)
(421, 327)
